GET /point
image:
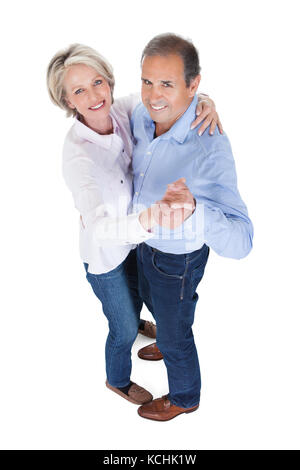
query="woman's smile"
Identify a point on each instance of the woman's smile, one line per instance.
(98, 106)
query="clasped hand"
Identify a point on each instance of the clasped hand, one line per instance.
(175, 207)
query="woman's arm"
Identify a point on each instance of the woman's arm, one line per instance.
(206, 112)
(79, 172)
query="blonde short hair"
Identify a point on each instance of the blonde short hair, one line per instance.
(75, 54)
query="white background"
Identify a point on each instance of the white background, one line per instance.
(247, 321)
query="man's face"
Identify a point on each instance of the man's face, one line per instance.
(164, 91)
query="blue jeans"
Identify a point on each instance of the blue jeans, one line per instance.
(169, 281)
(118, 292)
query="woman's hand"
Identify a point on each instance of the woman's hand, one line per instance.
(147, 219)
(206, 110)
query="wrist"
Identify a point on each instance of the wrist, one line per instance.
(147, 220)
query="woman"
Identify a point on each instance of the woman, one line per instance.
(97, 169)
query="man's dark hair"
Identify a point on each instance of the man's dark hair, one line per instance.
(169, 43)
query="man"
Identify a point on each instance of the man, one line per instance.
(172, 263)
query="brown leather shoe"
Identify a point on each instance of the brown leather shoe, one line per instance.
(150, 353)
(149, 329)
(136, 394)
(162, 409)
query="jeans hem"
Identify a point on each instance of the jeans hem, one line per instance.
(185, 407)
(118, 386)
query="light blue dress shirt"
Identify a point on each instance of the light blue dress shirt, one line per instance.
(221, 217)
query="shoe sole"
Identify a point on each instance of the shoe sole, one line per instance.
(149, 359)
(169, 419)
(123, 395)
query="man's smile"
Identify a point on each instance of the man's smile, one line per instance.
(157, 108)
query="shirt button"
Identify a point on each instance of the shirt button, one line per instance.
(141, 174)
(136, 193)
(148, 153)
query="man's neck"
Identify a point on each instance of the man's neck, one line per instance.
(163, 127)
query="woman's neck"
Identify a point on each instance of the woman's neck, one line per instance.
(101, 127)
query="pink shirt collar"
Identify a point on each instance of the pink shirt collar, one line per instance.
(88, 134)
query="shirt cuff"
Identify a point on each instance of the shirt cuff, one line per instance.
(125, 230)
(136, 230)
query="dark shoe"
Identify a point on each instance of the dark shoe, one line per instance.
(147, 328)
(162, 409)
(150, 353)
(136, 394)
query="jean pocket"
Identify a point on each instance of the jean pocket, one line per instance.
(169, 268)
(198, 271)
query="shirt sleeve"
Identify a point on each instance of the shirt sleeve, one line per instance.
(119, 231)
(223, 216)
(79, 173)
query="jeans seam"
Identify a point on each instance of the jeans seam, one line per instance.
(183, 279)
(178, 343)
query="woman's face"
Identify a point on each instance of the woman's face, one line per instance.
(87, 92)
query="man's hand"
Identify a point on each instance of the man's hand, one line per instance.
(206, 109)
(176, 206)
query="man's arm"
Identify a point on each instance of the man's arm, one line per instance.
(227, 228)
(220, 218)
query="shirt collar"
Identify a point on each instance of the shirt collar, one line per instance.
(181, 127)
(88, 134)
